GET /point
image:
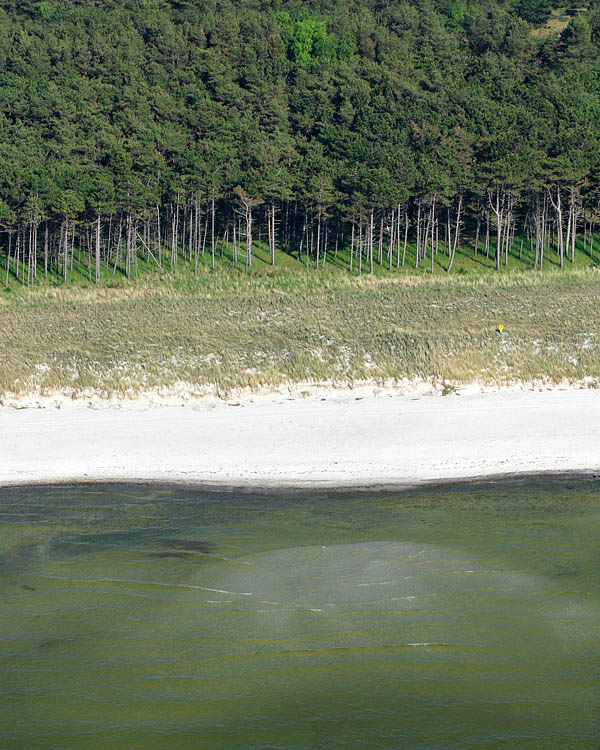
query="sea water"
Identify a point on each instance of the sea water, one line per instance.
(146, 617)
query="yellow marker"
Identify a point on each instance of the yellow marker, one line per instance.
(500, 327)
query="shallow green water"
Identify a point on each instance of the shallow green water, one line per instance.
(151, 617)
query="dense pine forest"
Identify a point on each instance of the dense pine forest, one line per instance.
(186, 133)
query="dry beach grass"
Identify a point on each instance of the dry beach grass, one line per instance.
(226, 331)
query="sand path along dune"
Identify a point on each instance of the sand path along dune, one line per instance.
(338, 440)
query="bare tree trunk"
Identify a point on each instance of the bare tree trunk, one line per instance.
(66, 251)
(8, 252)
(456, 232)
(248, 237)
(478, 226)
(128, 247)
(498, 209)
(35, 243)
(426, 237)
(318, 248)
(392, 236)
(432, 232)
(405, 238)
(98, 248)
(418, 250)
(352, 244)
(573, 235)
(17, 250)
(573, 224)
(302, 239)
(569, 227)
(360, 246)
(543, 237)
(212, 234)
(29, 246)
(371, 233)
(234, 242)
(557, 206)
(273, 233)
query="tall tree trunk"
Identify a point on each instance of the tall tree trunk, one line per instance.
(543, 237)
(573, 227)
(557, 206)
(456, 232)
(212, 234)
(97, 248)
(318, 248)
(248, 237)
(478, 226)
(418, 250)
(392, 237)
(497, 207)
(66, 251)
(405, 238)
(371, 238)
(273, 233)
(352, 243)
(433, 230)
(360, 246)
(8, 253)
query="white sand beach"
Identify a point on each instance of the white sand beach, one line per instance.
(326, 438)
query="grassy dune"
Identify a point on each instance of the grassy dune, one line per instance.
(228, 330)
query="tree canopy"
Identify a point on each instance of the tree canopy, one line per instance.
(344, 108)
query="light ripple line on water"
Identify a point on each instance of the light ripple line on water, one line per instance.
(376, 583)
(350, 649)
(148, 583)
(296, 609)
(386, 583)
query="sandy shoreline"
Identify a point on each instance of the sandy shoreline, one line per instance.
(347, 438)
